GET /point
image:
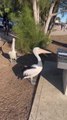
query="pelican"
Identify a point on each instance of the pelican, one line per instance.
(36, 68)
(13, 52)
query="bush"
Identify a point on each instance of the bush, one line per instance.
(28, 33)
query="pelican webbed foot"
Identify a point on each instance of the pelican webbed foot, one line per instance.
(33, 80)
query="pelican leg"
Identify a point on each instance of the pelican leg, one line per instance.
(33, 81)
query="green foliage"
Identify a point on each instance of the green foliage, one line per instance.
(28, 34)
(7, 10)
(44, 4)
(13, 17)
(6, 3)
(1, 13)
(44, 9)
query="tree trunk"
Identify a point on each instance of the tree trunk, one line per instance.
(49, 17)
(51, 14)
(36, 11)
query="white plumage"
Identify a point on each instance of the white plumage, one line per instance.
(37, 68)
(12, 53)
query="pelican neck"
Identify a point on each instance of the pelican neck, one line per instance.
(39, 59)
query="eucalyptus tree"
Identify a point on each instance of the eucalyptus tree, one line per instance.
(43, 11)
(40, 9)
(54, 5)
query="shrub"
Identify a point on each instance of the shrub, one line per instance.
(28, 33)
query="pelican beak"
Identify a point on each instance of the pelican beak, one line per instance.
(43, 51)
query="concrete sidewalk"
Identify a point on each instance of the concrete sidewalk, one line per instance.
(49, 103)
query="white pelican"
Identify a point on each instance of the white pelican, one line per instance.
(12, 53)
(36, 68)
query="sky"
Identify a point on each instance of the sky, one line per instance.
(63, 16)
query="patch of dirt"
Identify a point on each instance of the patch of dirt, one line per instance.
(16, 94)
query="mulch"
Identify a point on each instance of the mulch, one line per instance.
(16, 94)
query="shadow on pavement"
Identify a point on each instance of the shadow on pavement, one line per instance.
(53, 74)
(24, 62)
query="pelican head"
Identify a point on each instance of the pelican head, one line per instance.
(38, 50)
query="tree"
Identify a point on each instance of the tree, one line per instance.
(53, 11)
(41, 9)
(28, 33)
(28, 28)
(45, 10)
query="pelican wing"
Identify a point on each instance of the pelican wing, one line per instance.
(29, 73)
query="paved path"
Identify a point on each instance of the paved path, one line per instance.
(59, 32)
(56, 30)
(50, 103)
(59, 40)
